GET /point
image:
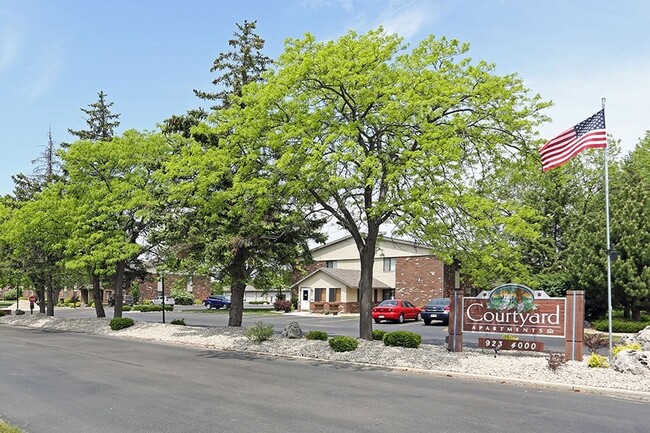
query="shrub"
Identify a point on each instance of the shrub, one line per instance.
(183, 298)
(597, 361)
(595, 341)
(259, 332)
(510, 337)
(625, 326)
(343, 344)
(121, 323)
(378, 334)
(126, 308)
(178, 322)
(556, 360)
(629, 346)
(316, 335)
(402, 339)
(258, 302)
(2, 313)
(148, 308)
(294, 302)
(282, 305)
(10, 295)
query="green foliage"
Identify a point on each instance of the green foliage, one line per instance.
(378, 334)
(10, 295)
(126, 307)
(2, 313)
(6, 428)
(183, 297)
(135, 292)
(317, 335)
(145, 308)
(510, 337)
(178, 322)
(101, 122)
(597, 361)
(343, 343)
(121, 322)
(259, 332)
(619, 325)
(403, 339)
(629, 346)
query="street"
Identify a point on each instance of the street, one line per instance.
(75, 383)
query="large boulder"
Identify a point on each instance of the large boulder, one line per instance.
(292, 331)
(643, 338)
(632, 361)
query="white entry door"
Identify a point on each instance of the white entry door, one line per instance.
(304, 298)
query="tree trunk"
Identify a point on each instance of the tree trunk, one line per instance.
(40, 294)
(97, 296)
(636, 313)
(367, 258)
(238, 289)
(119, 284)
(50, 296)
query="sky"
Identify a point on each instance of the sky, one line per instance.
(148, 55)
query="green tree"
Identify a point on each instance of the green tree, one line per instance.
(118, 203)
(244, 64)
(372, 133)
(101, 121)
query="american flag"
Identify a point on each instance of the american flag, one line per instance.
(588, 134)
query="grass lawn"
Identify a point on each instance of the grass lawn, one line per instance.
(6, 428)
(6, 303)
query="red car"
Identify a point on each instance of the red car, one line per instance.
(395, 309)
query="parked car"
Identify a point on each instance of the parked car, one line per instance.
(217, 301)
(126, 300)
(436, 309)
(395, 309)
(158, 300)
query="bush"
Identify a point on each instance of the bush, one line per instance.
(556, 360)
(595, 341)
(629, 346)
(597, 361)
(258, 302)
(183, 298)
(343, 344)
(317, 335)
(294, 302)
(259, 332)
(126, 308)
(148, 308)
(626, 326)
(282, 305)
(10, 295)
(2, 313)
(178, 322)
(121, 323)
(378, 334)
(403, 339)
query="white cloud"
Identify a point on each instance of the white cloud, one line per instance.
(407, 18)
(42, 71)
(11, 40)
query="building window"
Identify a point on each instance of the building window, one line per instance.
(387, 294)
(319, 295)
(330, 264)
(335, 295)
(390, 264)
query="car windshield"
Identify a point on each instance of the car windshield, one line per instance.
(389, 303)
(441, 301)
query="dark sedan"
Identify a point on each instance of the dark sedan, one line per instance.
(436, 309)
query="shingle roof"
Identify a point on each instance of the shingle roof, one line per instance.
(349, 277)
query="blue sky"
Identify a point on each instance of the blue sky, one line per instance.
(55, 55)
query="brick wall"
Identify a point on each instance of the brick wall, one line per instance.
(419, 279)
(201, 286)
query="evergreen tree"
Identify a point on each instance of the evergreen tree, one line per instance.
(244, 64)
(101, 122)
(47, 171)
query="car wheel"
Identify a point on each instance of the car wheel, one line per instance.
(377, 321)
(427, 322)
(417, 317)
(209, 306)
(401, 319)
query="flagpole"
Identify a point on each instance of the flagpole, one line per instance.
(609, 247)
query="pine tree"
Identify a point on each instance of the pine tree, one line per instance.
(47, 170)
(243, 65)
(101, 122)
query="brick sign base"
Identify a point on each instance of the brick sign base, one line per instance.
(500, 344)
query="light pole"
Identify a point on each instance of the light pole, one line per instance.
(162, 278)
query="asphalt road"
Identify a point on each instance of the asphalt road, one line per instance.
(74, 383)
(333, 325)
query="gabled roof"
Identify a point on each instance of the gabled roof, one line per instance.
(379, 241)
(349, 277)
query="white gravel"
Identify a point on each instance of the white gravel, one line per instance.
(507, 367)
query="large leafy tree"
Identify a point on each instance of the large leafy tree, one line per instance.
(230, 219)
(118, 204)
(374, 133)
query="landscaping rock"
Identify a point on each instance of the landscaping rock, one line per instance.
(292, 331)
(632, 361)
(643, 338)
